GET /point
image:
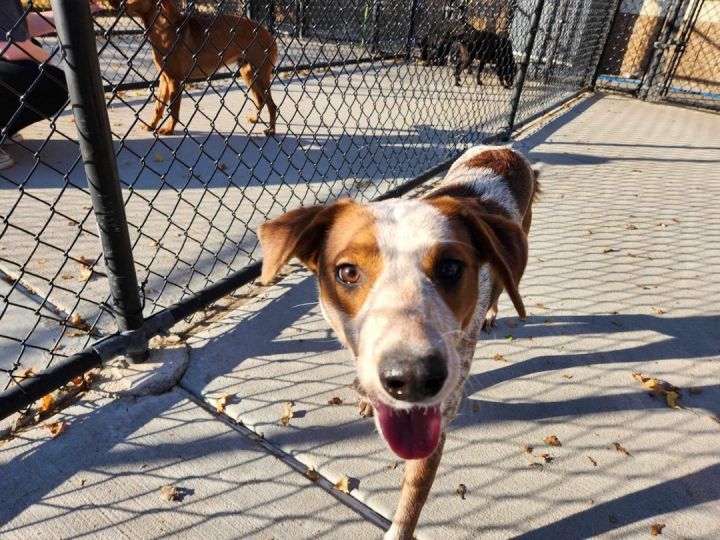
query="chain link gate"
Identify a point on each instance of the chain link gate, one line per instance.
(665, 51)
(370, 104)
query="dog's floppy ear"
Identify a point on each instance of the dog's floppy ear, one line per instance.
(498, 240)
(504, 244)
(299, 233)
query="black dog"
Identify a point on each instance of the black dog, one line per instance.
(470, 44)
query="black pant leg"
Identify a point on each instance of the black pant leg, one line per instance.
(37, 92)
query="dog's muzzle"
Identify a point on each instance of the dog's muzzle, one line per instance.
(412, 433)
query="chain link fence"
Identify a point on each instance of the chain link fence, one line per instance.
(372, 98)
(665, 51)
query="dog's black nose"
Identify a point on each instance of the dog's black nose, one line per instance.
(411, 378)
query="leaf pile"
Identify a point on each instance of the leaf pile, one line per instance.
(660, 388)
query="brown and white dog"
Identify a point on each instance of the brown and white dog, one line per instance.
(193, 47)
(407, 285)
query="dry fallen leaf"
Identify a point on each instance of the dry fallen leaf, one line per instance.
(222, 166)
(534, 465)
(630, 227)
(55, 428)
(542, 306)
(592, 461)
(170, 493)
(46, 403)
(656, 528)
(695, 390)
(461, 490)
(612, 518)
(158, 157)
(335, 401)
(511, 323)
(287, 415)
(85, 274)
(675, 220)
(671, 398)
(547, 458)
(566, 376)
(475, 407)
(589, 232)
(657, 310)
(75, 333)
(312, 474)
(552, 440)
(221, 402)
(499, 358)
(23, 374)
(82, 482)
(78, 381)
(528, 449)
(343, 484)
(610, 250)
(660, 388)
(392, 466)
(620, 448)
(76, 320)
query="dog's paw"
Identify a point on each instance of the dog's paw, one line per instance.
(269, 131)
(366, 408)
(147, 127)
(394, 533)
(166, 130)
(490, 321)
(253, 118)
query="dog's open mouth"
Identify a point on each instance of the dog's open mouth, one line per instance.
(412, 433)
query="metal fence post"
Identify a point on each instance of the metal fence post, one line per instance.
(663, 43)
(375, 26)
(522, 72)
(613, 12)
(411, 30)
(300, 23)
(76, 35)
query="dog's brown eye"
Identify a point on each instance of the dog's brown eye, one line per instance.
(448, 270)
(349, 274)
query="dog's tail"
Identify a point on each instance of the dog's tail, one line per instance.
(537, 169)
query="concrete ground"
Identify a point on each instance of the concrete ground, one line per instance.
(622, 278)
(195, 199)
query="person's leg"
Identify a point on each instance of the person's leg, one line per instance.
(44, 92)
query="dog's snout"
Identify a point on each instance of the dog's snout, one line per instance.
(413, 378)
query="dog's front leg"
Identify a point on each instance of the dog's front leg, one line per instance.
(418, 478)
(173, 101)
(160, 102)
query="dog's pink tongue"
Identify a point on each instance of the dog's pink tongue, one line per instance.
(413, 433)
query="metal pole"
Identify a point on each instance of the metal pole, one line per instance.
(411, 31)
(375, 25)
(298, 27)
(75, 33)
(522, 72)
(614, 11)
(663, 43)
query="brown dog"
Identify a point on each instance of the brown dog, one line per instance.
(407, 285)
(193, 47)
